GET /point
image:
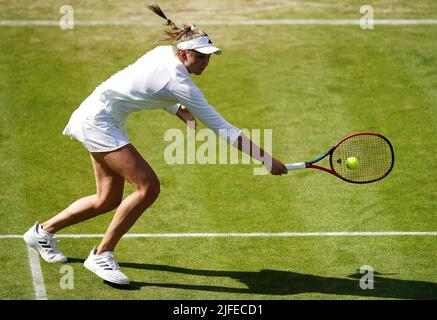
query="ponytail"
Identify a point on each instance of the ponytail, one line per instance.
(175, 33)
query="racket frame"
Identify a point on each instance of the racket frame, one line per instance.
(311, 164)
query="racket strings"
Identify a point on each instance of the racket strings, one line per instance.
(374, 155)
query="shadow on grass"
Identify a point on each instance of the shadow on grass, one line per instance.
(276, 282)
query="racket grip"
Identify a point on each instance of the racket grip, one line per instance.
(295, 166)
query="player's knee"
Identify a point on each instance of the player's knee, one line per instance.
(150, 190)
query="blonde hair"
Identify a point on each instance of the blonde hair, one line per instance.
(175, 33)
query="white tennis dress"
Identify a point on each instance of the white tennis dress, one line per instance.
(156, 80)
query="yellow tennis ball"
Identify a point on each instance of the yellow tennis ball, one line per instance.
(352, 163)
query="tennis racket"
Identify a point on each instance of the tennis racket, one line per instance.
(374, 158)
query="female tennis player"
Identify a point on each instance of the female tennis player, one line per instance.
(159, 79)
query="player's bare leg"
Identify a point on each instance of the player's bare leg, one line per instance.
(130, 165)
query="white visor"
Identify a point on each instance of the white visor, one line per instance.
(203, 45)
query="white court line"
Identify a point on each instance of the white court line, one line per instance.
(38, 280)
(323, 22)
(253, 234)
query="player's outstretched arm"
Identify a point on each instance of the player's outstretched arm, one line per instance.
(274, 166)
(186, 116)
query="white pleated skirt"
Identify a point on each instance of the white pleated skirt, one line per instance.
(97, 132)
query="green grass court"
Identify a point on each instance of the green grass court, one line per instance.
(310, 84)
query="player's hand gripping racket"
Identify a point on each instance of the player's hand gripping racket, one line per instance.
(358, 158)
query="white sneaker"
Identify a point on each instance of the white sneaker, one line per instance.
(105, 266)
(44, 243)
